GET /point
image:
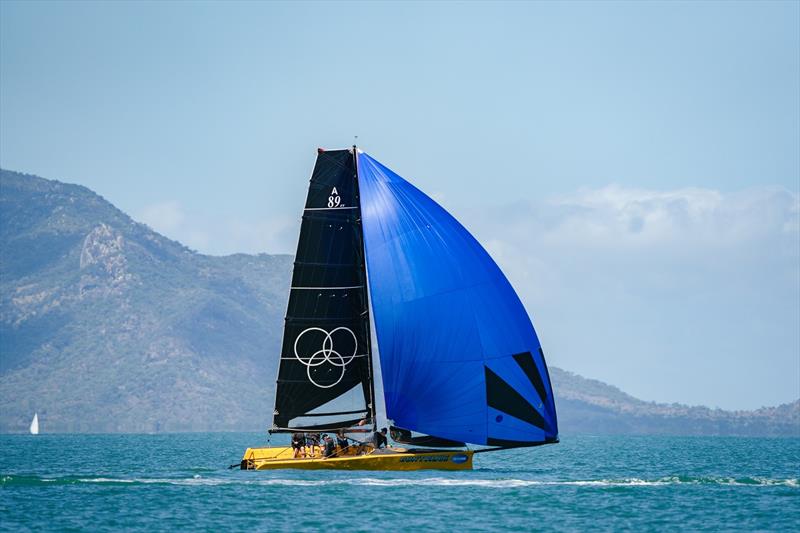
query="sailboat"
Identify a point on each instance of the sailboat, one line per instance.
(35, 424)
(455, 359)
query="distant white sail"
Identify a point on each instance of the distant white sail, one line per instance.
(35, 424)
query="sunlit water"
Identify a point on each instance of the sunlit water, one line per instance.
(181, 481)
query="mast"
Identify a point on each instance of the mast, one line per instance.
(373, 413)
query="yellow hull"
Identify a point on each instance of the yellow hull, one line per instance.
(387, 459)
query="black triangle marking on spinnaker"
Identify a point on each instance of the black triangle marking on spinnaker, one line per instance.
(551, 407)
(502, 396)
(526, 363)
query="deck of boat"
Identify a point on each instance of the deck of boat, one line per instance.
(371, 459)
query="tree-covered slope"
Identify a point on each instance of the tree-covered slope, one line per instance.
(591, 406)
(106, 325)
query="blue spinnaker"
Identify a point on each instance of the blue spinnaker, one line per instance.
(459, 356)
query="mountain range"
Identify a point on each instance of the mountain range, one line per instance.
(108, 326)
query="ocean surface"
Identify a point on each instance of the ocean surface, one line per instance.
(181, 482)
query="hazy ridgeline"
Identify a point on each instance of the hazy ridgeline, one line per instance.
(107, 326)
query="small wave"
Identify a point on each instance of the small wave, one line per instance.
(196, 480)
(513, 483)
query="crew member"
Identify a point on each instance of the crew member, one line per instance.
(379, 439)
(329, 447)
(313, 442)
(298, 445)
(341, 441)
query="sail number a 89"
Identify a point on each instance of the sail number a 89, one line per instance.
(334, 200)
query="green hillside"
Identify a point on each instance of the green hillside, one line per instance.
(106, 325)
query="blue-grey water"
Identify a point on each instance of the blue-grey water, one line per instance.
(181, 482)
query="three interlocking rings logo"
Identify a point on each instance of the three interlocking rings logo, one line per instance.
(327, 353)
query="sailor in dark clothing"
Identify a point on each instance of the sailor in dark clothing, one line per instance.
(298, 444)
(379, 439)
(329, 447)
(341, 441)
(312, 441)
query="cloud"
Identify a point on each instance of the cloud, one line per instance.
(635, 237)
(221, 235)
(615, 217)
(164, 217)
(687, 216)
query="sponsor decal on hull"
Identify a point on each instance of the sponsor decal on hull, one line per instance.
(425, 459)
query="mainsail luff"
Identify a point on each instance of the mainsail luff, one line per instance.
(325, 350)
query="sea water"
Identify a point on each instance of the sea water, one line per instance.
(181, 482)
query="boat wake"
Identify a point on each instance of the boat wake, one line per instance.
(197, 480)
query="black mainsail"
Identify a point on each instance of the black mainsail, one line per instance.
(326, 341)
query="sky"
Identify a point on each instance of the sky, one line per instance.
(634, 168)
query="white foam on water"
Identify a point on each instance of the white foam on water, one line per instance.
(108, 480)
(450, 482)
